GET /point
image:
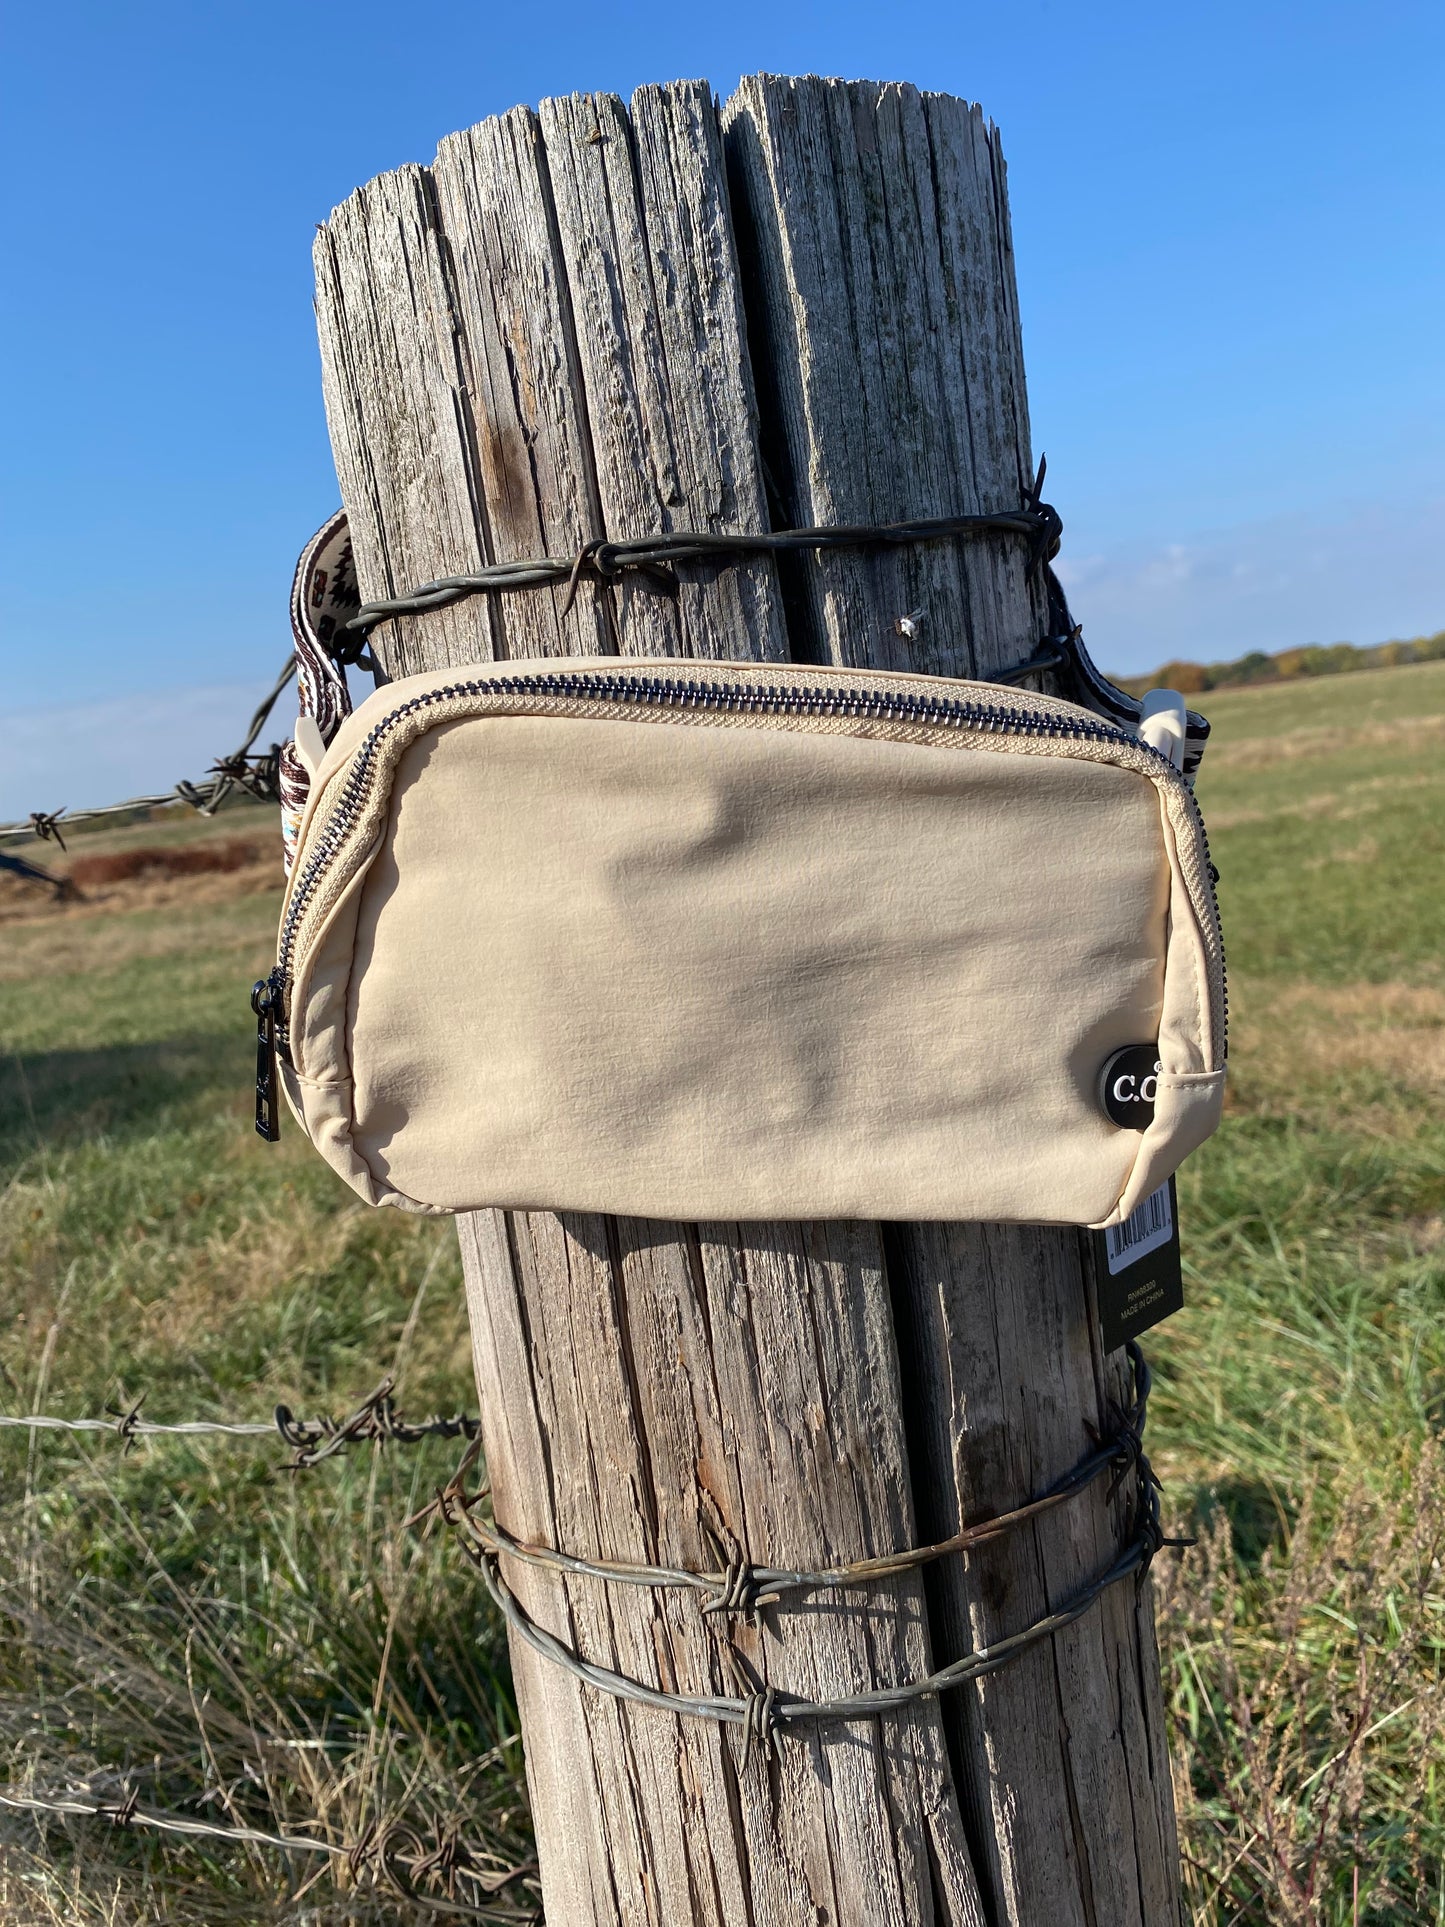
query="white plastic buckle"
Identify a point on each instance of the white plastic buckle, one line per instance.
(1163, 722)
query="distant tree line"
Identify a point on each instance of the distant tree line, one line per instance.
(1317, 659)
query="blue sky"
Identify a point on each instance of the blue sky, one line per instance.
(1227, 222)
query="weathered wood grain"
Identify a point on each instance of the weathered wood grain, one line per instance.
(898, 382)
(647, 241)
(398, 411)
(887, 345)
(535, 484)
(548, 338)
(627, 1370)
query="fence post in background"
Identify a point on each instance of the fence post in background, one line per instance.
(594, 321)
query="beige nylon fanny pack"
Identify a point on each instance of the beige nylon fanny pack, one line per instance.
(720, 941)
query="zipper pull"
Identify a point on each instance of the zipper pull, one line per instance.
(266, 1002)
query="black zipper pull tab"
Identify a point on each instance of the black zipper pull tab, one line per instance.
(266, 1002)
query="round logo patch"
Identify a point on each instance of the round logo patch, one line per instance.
(1128, 1085)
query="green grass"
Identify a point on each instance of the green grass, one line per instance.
(151, 1245)
(190, 1617)
(1302, 1392)
(1324, 803)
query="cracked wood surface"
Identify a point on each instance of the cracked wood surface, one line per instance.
(598, 319)
(886, 210)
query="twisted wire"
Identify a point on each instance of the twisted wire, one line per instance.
(311, 1440)
(650, 556)
(241, 770)
(448, 1857)
(765, 1711)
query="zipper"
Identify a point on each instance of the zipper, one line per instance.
(1213, 931)
(267, 1000)
(270, 997)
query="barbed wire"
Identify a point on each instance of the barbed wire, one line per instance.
(650, 556)
(396, 1852)
(376, 1419)
(739, 1586)
(241, 770)
(764, 1712)
(761, 1710)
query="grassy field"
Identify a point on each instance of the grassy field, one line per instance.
(1303, 1390)
(187, 1616)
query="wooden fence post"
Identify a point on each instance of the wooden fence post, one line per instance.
(593, 321)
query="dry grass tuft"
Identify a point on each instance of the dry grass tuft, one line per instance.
(150, 890)
(1309, 1711)
(1400, 733)
(1303, 1038)
(166, 860)
(330, 1687)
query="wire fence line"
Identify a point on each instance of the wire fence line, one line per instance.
(443, 1872)
(396, 1855)
(242, 772)
(375, 1420)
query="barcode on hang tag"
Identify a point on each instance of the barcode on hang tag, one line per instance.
(1147, 1226)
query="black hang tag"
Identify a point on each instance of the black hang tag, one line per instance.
(1137, 1272)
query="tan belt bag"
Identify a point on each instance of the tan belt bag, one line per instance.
(720, 941)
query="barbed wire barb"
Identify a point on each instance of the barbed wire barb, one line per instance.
(738, 1585)
(375, 1420)
(252, 774)
(381, 1849)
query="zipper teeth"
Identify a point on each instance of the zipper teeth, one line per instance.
(678, 693)
(1220, 963)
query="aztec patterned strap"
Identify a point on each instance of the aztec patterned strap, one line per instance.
(323, 595)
